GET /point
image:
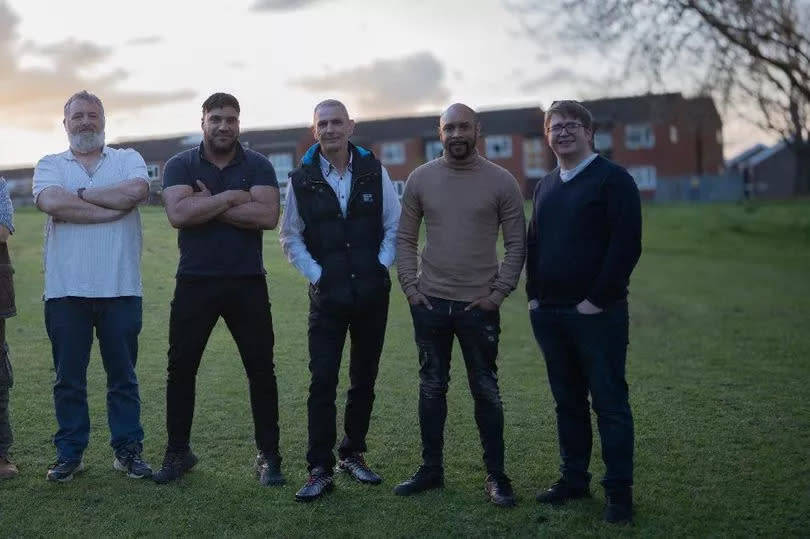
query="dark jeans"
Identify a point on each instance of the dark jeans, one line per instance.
(245, 306)
(70, 322)
(6, 382)
(587, 353)
(327, 334)
(478, 333)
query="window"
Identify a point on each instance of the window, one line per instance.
(399, 187)
(603, 141)
(153, 171)
(673, 134)
(433, 149)
(498, 146)
(533, 158)
(639, 136)
(283, 164)
(392, 153)
(644, 176)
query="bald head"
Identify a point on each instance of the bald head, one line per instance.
(458, 131)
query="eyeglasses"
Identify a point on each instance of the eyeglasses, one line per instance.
(568, 126)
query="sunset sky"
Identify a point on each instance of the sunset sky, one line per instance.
(154, 62)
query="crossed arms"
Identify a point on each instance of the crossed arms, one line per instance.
(97, 205)
(256, 209)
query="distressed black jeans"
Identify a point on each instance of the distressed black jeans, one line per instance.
(477, 332)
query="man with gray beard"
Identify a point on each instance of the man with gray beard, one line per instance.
(92, 258)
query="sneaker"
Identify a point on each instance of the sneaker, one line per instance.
(619, 506)
(268, 469)
(560, 492)
(425, 478)
(318, 484)
(7, 469)
(499, 490)
(175, 464)
(63, 469)
(128, 459)
(355, 465)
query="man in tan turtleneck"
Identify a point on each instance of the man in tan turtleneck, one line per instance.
(464, 200)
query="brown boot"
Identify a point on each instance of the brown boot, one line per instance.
(7, 469)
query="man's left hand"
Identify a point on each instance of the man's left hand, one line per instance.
(586, 307)
(485, 304)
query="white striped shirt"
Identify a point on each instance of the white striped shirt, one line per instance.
(100, 260)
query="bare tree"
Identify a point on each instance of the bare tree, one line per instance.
(753, 55)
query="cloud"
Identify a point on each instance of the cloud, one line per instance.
(387, 86)
(145, 40)
(32, 97)
(559, 76)
(283, 5)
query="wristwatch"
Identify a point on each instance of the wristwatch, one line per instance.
(80, 192)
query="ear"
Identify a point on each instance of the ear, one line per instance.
(314, 132)
(351, 128)
(477, 129)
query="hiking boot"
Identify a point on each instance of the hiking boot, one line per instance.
(318, 484)
(619, 506)
(355, 465)
(7, 469)
(425, 478)
(175, 464)
(560, 492)
(63, 470)
(128, 459)
(268, 469)
(499, 490)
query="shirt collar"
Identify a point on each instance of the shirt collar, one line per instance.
(327, 167)
(237, 157)
(70, 156)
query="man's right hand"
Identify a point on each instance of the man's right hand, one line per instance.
(420, 299)
(237, 197)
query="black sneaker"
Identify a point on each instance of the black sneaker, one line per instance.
(560, 492)
(499, 490)
(425, 478)
(175, 464)
(619, 507)
(355, 465)
(63, 469)
(318, 484)
(268, 469)
(129, 460)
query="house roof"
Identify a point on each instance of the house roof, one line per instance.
(657, 108)
(767, 153)
(744, 156)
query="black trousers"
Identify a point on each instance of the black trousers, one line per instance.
(327, 335)
(244, 305)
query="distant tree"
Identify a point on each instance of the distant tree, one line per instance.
(753, 55)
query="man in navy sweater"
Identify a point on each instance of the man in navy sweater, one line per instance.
(583, 242)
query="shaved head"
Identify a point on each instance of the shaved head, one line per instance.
(457, 109)
(458, 131)
(330, 103)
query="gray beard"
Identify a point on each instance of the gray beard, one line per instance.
(86, 142)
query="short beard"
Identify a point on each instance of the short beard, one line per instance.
(86, 141)
(470, 148)
(220, 150)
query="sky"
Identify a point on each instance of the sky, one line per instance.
(153, 63)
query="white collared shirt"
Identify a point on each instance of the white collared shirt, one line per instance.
(568, 175)
(101, 260)
(291, 233)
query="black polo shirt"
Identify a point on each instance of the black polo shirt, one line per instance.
(215, 248)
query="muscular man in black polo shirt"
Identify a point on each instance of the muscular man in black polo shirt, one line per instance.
(220, 196)
(583, 242)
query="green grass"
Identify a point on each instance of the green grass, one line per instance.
(718, 370)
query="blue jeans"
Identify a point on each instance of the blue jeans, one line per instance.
(587, 353)
(70, 322)
(478, 334)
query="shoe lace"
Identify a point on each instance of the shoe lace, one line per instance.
(358, 461)
(313, 479)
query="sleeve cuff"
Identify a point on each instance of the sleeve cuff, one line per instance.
(496, 297)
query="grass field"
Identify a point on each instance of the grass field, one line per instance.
(718, 370)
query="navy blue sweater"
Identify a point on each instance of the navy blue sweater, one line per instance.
(584, 236)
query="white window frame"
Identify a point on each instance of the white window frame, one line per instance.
(599, 140)
(433, 149)
(673, 134)
(498, 146)
(644, 176)
(153, 171)
(533, 154)
(283, 163)
(392, 153)
(639, 136)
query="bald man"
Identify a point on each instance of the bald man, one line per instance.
(339, 230)
(458, 290)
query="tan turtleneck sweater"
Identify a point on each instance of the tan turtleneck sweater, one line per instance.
(463, 205)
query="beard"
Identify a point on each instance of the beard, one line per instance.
(460, 149)
(86, 141)
(219, 147)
